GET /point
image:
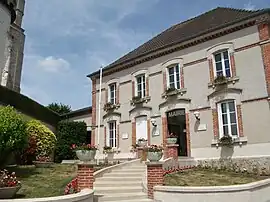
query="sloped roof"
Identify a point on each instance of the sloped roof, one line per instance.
(194, 27)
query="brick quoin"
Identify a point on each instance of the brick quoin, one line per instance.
(188, 135)
(94, 109)
(182, 76)
(233, 68)
(133, 125)
(149, 131)
(85, 176)
(264, 33)
(211, 70)
(215, 123)
(133, 88)
(164, 134)
(105, 136)
(147, 85)
(164, 81)
(118, 94)
(154, 177)
(240, 122)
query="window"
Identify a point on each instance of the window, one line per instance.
(227, 118)
(174, 77)
(223, 67)
(112, 134)
(112, 93)
(140, 86)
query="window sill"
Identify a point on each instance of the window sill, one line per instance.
(174, 92)
(240, 141)
(112, 107)
(140, 101)
(232, 80)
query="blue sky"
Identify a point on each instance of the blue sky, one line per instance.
(68, 39)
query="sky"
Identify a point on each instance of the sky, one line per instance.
(69, 39)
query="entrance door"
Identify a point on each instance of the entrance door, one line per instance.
(141, 127)
(177, 125)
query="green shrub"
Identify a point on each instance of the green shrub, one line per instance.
(13, 136)
(69, 133)
(44, 137)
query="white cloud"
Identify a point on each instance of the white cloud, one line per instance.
(52, 64)
(249, 6)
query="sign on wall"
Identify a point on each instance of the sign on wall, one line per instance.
(178, 112)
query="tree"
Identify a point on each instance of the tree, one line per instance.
(59, 108)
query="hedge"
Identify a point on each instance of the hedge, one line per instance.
(28, 106)
(68, 133)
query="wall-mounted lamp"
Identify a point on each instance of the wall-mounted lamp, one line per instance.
(197, 115)
(154, 123)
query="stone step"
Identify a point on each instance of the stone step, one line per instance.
(125, 174)
(129, 170)
(136, 200)
(123, 196)
(117, 183)
(117, 189)
(123, 178)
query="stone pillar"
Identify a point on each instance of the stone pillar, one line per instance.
(172, 151)
(154, 176)
(85, 175)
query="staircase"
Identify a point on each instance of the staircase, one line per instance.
(122, 184)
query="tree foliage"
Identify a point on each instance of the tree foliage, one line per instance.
(69, 133)
(13, 136)
(59, 108)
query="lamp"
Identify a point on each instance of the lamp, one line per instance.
(197, 115)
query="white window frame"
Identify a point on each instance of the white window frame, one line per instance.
(109, 93)
(221, 52)
(220, 120)
(175, 76)
(142, 84)
(112, 139)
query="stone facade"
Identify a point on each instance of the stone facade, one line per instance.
(247, 87)
(10, 75)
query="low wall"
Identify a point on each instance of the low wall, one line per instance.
(256, 191)
(86, 195)
(250, 164)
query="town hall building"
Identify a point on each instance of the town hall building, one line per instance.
(200, 79)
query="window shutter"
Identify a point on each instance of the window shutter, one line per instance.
(164, 81)
(106, 95)
(117, 94)
(133, 88)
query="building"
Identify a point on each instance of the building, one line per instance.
(200, 79)
(12, 43)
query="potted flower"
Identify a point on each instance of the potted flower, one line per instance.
(109, 151)
(226, 140)
(43, 161)
(9, 185)
(142, 142)
(154, 153)
(133, 148)
(109, 106)
(172, 138)
(171, 91)
(220, 79)
(85, 152)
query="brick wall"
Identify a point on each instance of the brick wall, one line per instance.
(164, 81)
(172, 151)
(188, 135)
(85, 175)
(133, 132)
(154, 177)
(240, 122)
(264, 33)
(215, 123)
(211, 70)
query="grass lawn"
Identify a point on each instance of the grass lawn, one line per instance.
(44, 182)
(205, 177)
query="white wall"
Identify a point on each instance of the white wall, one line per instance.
(253, 192)
(4, 27)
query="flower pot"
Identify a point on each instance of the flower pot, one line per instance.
(110, 156)
(171, 140)
(8, 192)
(154, 156)
(43, 164)
(142, 143)
(86, 155)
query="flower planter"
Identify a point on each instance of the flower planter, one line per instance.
(86, 155)
(142, 143)
(43, 164)
(8, 192)
(110, 156)
(171, 140)
(154, 156)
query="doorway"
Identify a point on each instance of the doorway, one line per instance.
(141, 127)
(176, 120)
